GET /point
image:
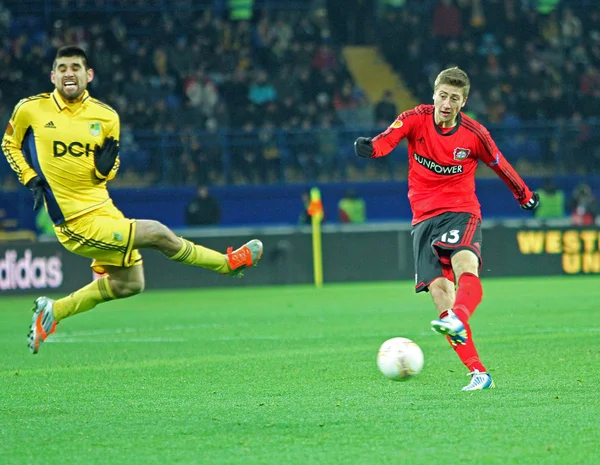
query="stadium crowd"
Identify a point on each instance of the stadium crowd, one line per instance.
(206, 99)
(527, 65)
(524, 64)
(169, 76)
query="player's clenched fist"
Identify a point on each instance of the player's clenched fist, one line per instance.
(105, 156)
(363, 147)
(532, 203)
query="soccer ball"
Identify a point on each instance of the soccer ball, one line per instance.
(400, 358)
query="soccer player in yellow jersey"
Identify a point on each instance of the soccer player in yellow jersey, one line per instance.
(64, 147)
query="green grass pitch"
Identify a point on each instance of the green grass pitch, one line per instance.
(288, 375)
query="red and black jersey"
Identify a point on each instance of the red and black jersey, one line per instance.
(442, 162)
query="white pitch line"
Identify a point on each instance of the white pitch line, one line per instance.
(104, 332)
(95, 332)
(76, 340)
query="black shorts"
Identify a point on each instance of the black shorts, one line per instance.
(435, 241)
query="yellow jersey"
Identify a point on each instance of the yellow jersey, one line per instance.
(55, 140)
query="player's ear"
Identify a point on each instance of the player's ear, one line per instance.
(464, 102)
(52, 77)
(90, 75)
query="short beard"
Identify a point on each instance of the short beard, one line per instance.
(68, 99)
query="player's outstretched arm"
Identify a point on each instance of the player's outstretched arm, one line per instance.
(384, 143)
(492, 157)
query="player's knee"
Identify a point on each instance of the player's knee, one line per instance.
(123, 289)
(161, 236)
(465, 261)
(438, 293)
(136, 287)
(441, 288)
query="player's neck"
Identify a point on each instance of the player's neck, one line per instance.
(446, 124)
(73, 101)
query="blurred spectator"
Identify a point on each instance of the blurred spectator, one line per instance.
(385, 110)
(571, 27)
(202, 93)
(552, 201)
(351, 208)
(351, 106)
(306, 157)
(583, 206)
(248, 155)
(328, 148)
(346, 97)
(304, 217)
(270, 153)
(489, 46)
(446, 21)
(261, 91)
(204, 209)
(590, 81)
(325, 58)
(5, 18)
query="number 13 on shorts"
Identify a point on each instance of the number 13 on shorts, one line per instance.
(451, 237)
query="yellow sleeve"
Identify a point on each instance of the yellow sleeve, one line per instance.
(12, 141)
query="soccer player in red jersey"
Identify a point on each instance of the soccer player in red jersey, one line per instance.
(445, 147)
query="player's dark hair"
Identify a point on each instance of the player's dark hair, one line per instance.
(454, 77)
(71, 51)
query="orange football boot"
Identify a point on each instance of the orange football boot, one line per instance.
(247, 255)
(42, 323)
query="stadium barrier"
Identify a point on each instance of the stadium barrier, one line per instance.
(351, 253)
(281, 203)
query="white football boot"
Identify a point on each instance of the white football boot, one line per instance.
(479, 380)
(452, 327)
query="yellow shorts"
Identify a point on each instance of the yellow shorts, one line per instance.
(104, 235)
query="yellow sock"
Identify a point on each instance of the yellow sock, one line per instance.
(84, 299)
(196, 255)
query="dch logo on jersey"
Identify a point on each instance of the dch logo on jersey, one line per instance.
(397, 124)
(461, 154)
(94, 128)
(76, 149)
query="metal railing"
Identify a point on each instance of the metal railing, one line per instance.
(327, 155)
(230, 157)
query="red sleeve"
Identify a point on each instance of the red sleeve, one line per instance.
(491, 156)
(385, 142)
